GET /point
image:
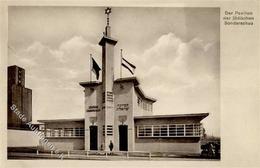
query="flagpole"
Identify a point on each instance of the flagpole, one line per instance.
(121, 63)
(90, 67)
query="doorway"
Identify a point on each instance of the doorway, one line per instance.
(123, 137)
(93, 137)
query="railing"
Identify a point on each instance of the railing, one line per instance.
(95, 153)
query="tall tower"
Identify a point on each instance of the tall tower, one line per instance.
(19, 96)
(108, 44)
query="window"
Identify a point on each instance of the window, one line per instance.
(156, 130)
(109, 129)
(189, 130)
(41, 127)
(164, 130)
(148, 130)
(48, 132)
(169, 130)
(145, 131)
(61, 132)
(103, 130)
(180, 130)
(52, 133)
(79, 132)
(149, 107)
(145, 106)
(68, 132)
(172, 130)
(56, 132)
(141, 131)
(197, 130)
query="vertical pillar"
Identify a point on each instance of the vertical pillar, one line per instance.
(108, 45)
(92, 108)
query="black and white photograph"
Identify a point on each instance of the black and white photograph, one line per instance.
(129, 83)
(113, 83)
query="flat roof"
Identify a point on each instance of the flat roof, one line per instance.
(136, 86)
(128, 79)
(202, 115)
(119, 80)
(122, 80)
(107, 39)
(61, 120)
(90, 83)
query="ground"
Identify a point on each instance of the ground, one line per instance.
(114, 157)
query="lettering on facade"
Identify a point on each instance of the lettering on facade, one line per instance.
(122, 107)
(93, 109)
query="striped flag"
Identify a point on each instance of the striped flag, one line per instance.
(128, 65)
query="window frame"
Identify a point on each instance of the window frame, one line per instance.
(169, 130)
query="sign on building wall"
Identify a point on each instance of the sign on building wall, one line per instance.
(122, 107)
(93, 109)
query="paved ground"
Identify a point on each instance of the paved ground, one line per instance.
(31, 156)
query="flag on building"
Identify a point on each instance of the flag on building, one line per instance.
(95, 68)
(128, 65)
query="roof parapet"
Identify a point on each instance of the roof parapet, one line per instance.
(136, 86)
(128, 79)
(121, 80)
(202, 115)
(61, 120)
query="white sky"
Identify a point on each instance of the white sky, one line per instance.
(175, 50)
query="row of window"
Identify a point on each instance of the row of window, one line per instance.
(65, 132)
(170, 130)
(144, 105)
(109, 130)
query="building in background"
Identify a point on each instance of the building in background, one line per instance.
(118, 111)
(20, 97)
(19, 134)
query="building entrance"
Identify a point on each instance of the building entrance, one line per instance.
(123, 138)
(93, 137)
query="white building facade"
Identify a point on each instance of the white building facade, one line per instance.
(117, 111)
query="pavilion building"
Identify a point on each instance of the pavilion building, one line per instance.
(118, 111)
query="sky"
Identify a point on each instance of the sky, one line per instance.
(176, 52)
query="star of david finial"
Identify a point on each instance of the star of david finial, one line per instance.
(107, 12)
